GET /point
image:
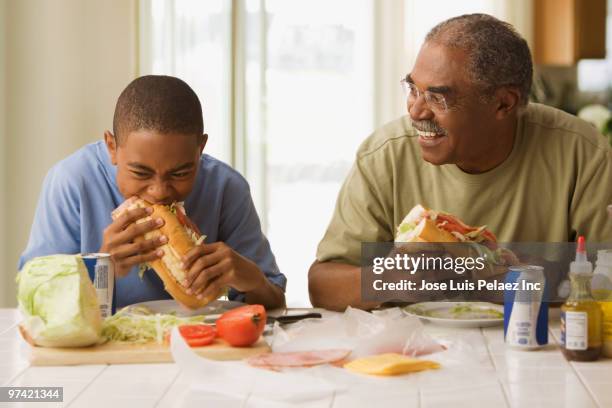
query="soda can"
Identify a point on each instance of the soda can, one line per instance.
(525, 308)
(102, 274)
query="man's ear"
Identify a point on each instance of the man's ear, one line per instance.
(203, 143)
(508, 99)
(111, 145)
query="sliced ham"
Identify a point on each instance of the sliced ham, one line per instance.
(298, 359)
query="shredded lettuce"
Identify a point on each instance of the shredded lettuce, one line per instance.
(476, 234)
(197, 239)
(465, 311)
(405, 227)
(469, 311)
(172, 208)
(459, 236)
(139, 325)
(498, 256)
(142, 268)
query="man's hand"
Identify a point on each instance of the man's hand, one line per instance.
(335, 285)
(120, 240)
(211, 267)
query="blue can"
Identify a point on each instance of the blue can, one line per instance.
(102, 274)
(525, 308)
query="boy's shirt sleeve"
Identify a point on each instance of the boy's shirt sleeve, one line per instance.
(56, 226)
(240, 228)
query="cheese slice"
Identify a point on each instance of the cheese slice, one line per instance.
(389, 364)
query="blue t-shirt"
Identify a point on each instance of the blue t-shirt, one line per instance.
(80, 192)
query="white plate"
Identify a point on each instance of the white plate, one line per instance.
(211, 310)
(457, 314)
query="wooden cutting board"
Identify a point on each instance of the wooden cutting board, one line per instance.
(120, 353)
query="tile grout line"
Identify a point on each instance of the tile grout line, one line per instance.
(9, 328)
(576, 372)
(16, 376)
(246, 399)
(20, 372)
(333, 399)
(499, 382)
(88, 385)
(168, 388)
(584, 384)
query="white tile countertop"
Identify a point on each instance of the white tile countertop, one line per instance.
(500, 378)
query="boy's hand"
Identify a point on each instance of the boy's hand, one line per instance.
(211, 267)
(120, 240)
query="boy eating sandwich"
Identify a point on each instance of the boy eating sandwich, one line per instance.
(155, 153)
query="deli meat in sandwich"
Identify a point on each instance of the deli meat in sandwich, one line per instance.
(426, 225)
(182, 236)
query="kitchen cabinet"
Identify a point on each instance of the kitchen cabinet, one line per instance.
(566, 31)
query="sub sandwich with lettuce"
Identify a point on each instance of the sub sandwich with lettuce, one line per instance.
(426, 225)
(183, 235)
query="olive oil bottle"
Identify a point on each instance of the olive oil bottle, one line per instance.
(601, 287)
(581, 316)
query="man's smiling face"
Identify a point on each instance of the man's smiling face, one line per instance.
(160, 168)
(460, 133)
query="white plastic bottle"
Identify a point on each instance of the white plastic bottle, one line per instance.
(526, 309)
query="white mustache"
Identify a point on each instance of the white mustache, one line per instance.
(428, 126)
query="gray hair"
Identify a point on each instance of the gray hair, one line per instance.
(498, 55)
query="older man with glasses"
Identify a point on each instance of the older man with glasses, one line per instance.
(471, 145)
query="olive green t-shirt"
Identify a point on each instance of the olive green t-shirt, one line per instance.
(554, 185)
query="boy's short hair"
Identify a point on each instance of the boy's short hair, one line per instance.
(158, 102)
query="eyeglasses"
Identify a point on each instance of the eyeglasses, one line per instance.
(435, 101)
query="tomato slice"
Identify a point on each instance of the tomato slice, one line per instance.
(241, 327)
(454, 224)
(192, 331)
(201, 341)
(186, 222)
(196, 335)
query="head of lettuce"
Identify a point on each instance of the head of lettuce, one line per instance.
(58, 302)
